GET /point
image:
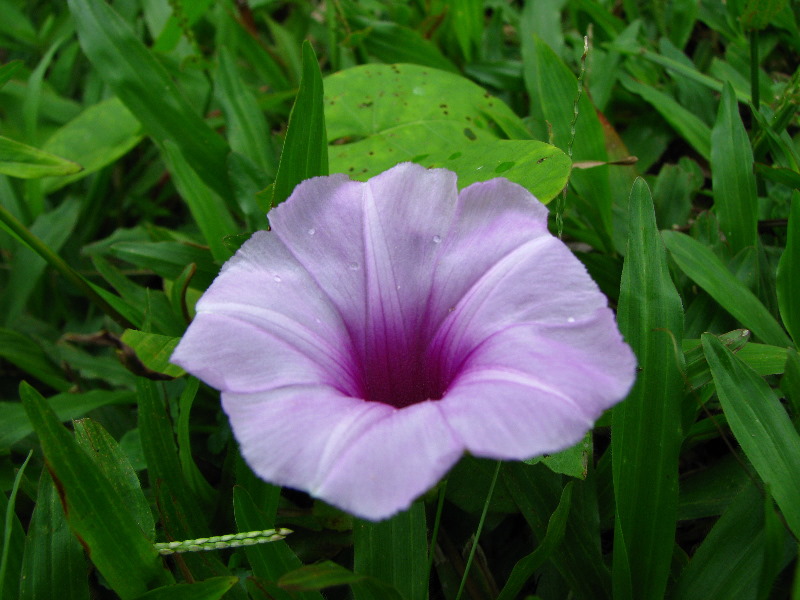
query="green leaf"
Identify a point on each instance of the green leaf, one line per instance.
(16, 424)
(761, 426)
(20, 160)
(97, 137)
(540, 168)
(305, 153)
(788, 279)
(527, 566)
(147, 89)
(114, 464)
(210, 589)
(706, 270)
(379, 115)
(51, 552)
(733, 180)
(154, 351)
(394, 551)
(207, 208)
(328, 574)
(92, 507)
(646, 427)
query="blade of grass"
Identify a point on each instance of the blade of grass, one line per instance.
(92, 507)
(305, 150)
(527, 566)
(10, 524)
(706, 270)
(693, 130)
(11, 224)
(788, 279)
(394, 551)
(207, 208)
(646, 427)
(733, 180)
(761, 426)
(147, 89)
(51, 552)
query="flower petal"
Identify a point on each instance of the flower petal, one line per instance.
(365, 457)
(536, 389)
(264, 323)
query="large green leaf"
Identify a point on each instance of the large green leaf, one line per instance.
(147, 89)
(92, 507)
(734, 183)
(707, 271)
(379, 115)
(646, 427)
(761, 426)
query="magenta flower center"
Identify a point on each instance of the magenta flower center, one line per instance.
(401, 377)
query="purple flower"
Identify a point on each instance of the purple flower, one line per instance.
(382, 329)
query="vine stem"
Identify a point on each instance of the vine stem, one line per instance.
(562, 201)
(479, 530)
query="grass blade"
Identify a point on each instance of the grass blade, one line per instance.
(761, 426)
(706, 270)
(92, 507)
(733, 181)
(305, 150)
(788, 280)
(394, 551)
(145, 87)
(646, 427)
(52, 553)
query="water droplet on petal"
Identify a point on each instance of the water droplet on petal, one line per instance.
(353, 266)
(571, 320)
(277, 278)
(437, 239)
(312, 231)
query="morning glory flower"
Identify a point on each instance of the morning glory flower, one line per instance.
(382, 329)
